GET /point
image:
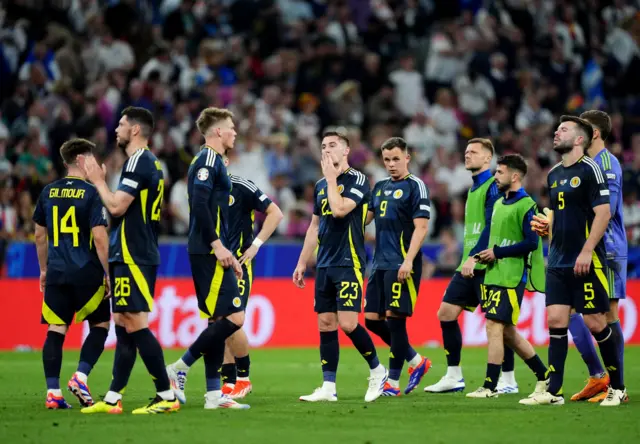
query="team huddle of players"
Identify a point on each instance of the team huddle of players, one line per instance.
(82, 266)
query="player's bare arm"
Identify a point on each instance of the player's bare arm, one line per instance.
(599, 226)
(340, 206)
(42, 248)
(274, 217)
(101, 241)
(370, 216)
(421, 227)
(310, 242)
(116, 203)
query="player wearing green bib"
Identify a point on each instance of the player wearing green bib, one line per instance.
(514, 262)
(466, 290)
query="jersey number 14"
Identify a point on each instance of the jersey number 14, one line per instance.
(66, 225)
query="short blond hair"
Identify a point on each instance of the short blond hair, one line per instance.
(211, 116)
(486, 144)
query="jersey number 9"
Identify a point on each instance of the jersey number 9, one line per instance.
(67, 225)
(157, 204)
(383, 208)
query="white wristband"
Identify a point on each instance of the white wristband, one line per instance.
(257, 242)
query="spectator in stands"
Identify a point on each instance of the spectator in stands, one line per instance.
(290, 69)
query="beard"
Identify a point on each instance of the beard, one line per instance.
(473, 169)
(123, 144)
(503, 187)
(563, 147)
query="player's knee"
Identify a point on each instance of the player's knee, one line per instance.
(509, 332)
(612, 315)
(349, 324)
(595, 322)
(134, 322)
(494, 328)
(237, 318)
(327, 322)
(557, 317)
(62, 329)
(448, 312)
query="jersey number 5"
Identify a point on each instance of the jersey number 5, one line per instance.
(157, 204)
(66, 225)
(561, 200)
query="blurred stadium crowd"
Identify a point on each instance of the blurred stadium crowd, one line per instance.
(435, 72)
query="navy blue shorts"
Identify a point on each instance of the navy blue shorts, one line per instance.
(503, 304)
(216, 287)
(384, 292)
(338, 289)
(244, 284)
(133, 287)
(586, 294)
(466, 293)
(86, 301)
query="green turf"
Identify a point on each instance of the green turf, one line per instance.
(280, 376)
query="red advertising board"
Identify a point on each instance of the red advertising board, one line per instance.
(278, 315)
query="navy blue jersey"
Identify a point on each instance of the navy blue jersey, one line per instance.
(395, 205)
(341, 240)
(209, 189)
(134, 235)
(69, 208)
(246, 198)
(574, 192)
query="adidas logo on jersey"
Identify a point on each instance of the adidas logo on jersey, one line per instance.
(395, 304)
(349, 303)
(493, 310)
(589, 305)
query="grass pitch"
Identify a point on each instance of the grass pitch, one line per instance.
(276, 415)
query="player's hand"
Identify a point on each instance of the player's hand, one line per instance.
(107, 287)
(583, 263)
(249, 254)
(95, 173)
(328, 169)
(43, 280)
(404, 272)
(486, 256)
(298, 275)
(223, 255)
(237, 268)
(541, 223)
(468, 267)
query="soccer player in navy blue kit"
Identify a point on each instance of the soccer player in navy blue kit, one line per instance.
(615, 239)
(73, 252)
(576, 271)
(401, 210)
(245, 199)
(133, 260)
(214, 268)
(337, 229)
